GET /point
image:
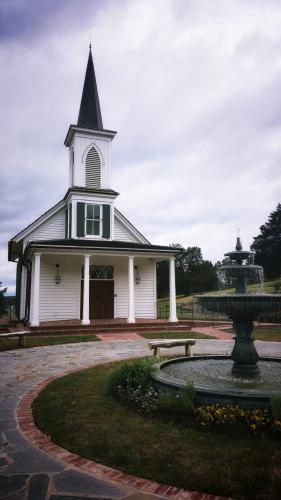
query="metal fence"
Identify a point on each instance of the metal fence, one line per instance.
(195, 312)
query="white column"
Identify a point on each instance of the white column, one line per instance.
(86, 288)
(172, 287)
(34, 310)
(131, 290)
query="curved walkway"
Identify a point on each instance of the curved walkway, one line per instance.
(27, 472)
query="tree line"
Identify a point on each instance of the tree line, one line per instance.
(195, 275)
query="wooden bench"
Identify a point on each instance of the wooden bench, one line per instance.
(20, 336)
(156, 344)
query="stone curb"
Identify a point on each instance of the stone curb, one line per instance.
(31, 432)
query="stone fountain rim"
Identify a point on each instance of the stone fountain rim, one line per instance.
(171, 382)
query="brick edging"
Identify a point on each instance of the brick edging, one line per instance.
(31, 432)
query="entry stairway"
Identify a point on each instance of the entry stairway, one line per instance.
(71, 328)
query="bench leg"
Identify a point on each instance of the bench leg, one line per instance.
(21, 340)
(187, 350)
(156, 352)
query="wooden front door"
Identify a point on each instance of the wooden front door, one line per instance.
(101, 299)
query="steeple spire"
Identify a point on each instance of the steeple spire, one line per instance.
(90, 113)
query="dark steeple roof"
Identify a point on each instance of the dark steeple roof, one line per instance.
(90, 113)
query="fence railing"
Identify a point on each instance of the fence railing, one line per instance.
(194, 312)
(190, 313)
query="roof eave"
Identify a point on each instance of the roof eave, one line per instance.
(76, 244)
(110, 134)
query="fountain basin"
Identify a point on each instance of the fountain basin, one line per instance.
(214, 382)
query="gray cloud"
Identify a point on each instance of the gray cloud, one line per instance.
(192, 89)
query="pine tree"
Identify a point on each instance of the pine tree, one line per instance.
(267, 245)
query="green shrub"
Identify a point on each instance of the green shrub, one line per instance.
(276, 406)
(131, 376)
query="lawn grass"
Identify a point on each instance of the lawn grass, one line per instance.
(80, 415)
(268, 334)
(7, 344)
(271, 334)
(175, 335)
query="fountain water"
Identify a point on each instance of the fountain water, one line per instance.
(249, 380)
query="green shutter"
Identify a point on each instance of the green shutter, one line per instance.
(106, 221)
(66, 224)
(80, 219)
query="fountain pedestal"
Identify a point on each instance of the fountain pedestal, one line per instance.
(244, 353)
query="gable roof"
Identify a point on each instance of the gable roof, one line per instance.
(42, 218)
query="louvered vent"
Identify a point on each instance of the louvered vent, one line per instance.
(93, 170)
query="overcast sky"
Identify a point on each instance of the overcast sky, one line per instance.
(193, 88)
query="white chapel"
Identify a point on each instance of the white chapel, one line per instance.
(82, 259)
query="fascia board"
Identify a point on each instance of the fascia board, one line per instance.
(88, 198)
(119, 252)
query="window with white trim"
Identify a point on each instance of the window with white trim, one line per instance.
(93, 219)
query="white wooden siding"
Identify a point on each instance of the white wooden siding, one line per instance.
(59, 302)
(121, 233)
(62, 302)
(52, 229)
(121, 288)
(23, 292)
(145, 306)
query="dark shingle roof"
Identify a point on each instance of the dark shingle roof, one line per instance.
(90, 113)
(105, 244)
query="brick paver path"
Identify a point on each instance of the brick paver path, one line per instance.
(33, 468)
(119, 336)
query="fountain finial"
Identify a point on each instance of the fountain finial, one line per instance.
(238, 244)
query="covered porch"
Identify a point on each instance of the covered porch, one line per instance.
(100, 284)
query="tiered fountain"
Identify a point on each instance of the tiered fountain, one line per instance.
(244, 378)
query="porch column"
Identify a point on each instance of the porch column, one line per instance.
(131, 291)
(34, 316)
(86, 296)
(172, 287)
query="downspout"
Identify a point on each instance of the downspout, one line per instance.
(28, 264)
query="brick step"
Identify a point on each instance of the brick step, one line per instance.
(106, 326)
(86, 330)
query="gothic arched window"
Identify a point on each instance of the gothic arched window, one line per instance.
(93, 169)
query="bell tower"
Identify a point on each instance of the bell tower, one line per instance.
(90, 199)
(88, 142)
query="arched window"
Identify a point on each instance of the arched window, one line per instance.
(93, 169)
(99, 273)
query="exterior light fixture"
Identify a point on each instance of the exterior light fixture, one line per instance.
(57, 277)
(137, 278)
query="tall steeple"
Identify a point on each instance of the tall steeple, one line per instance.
(90, 113)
